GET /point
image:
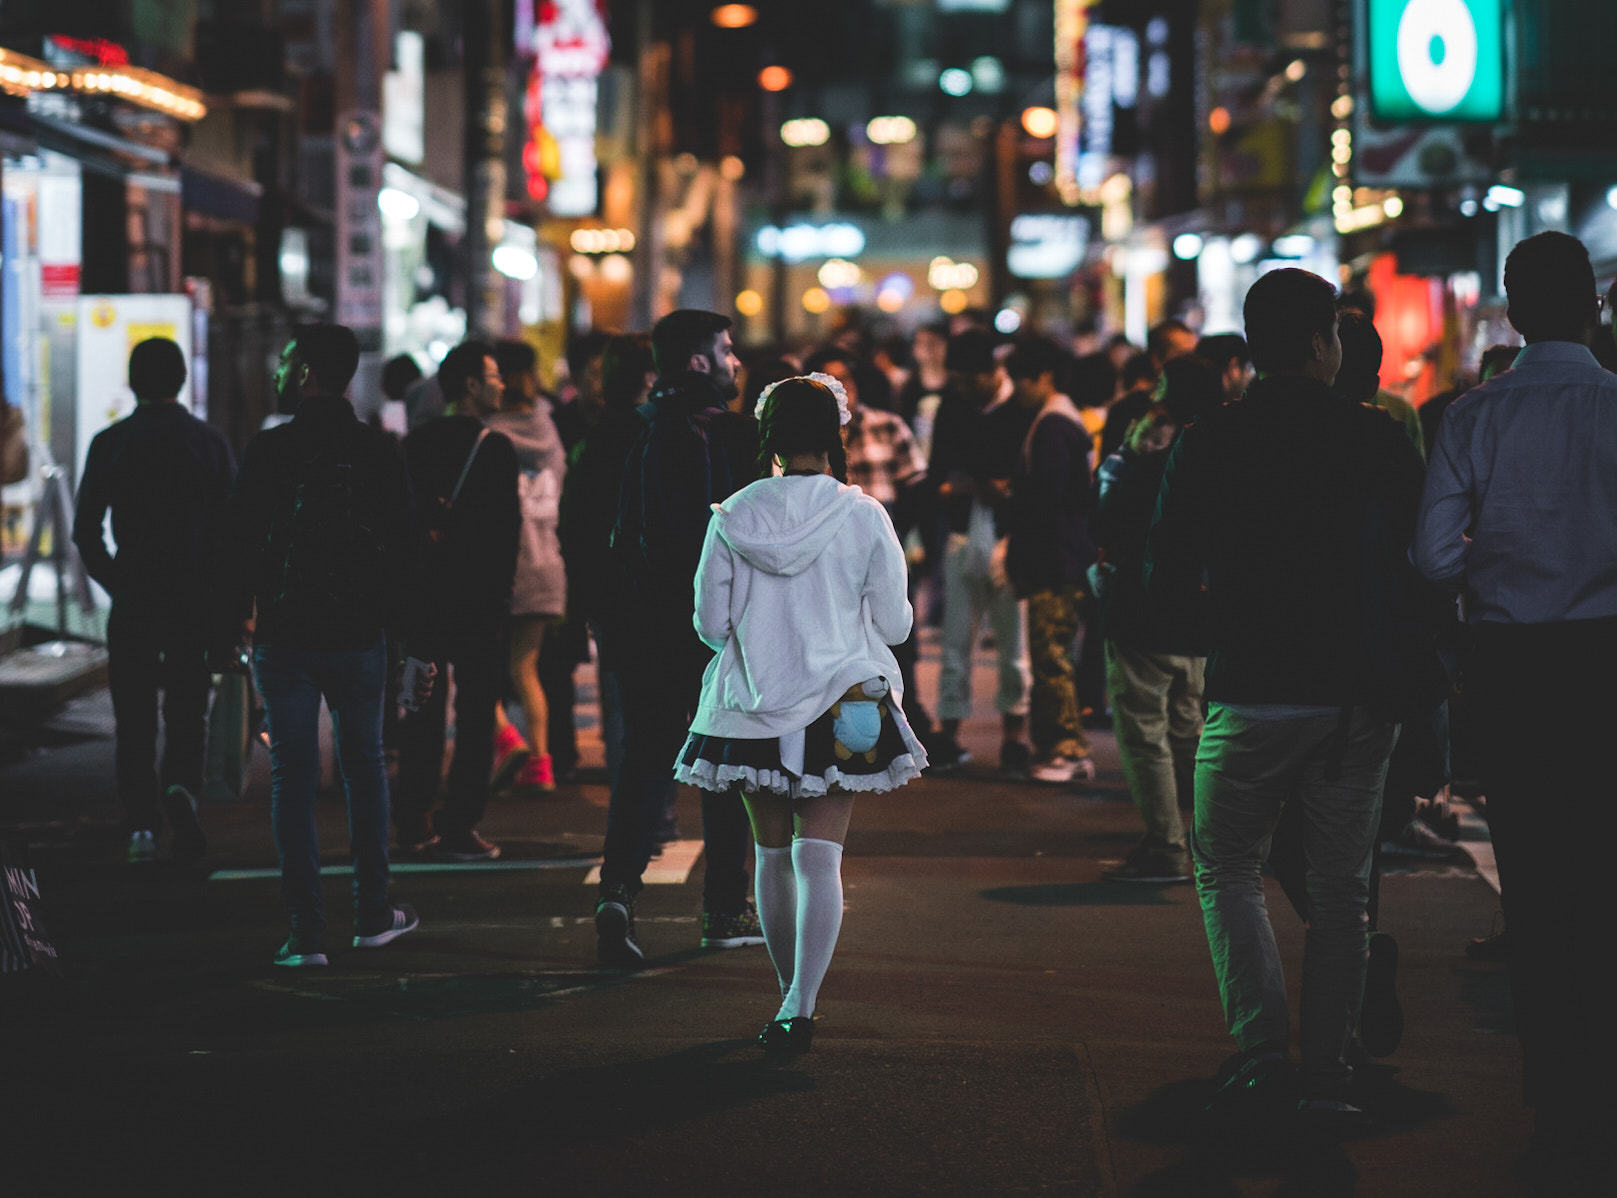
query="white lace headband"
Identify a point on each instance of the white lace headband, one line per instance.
(837, 389)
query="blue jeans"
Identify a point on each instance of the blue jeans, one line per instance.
(354, 684)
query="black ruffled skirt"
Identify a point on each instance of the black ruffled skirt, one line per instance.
(721, 762)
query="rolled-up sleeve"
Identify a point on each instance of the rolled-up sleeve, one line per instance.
(1439, 548)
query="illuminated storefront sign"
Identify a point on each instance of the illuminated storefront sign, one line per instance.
(1046, 246)
(1437, 60)
(570, 45)
(1071, 21)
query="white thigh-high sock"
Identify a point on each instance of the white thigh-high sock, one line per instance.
(775, 887)
(818, 865)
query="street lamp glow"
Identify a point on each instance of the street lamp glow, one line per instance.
(805, 131)
(734, 16)
(514, 262)
(400, 205)
(839, 273)
(1007, 320)
(1187, 246)
(749, 302)
(1245, 248)
(1294, 245)
(1040, 122)
(1507, 197)
(955, 82)
(1393, 207)
(774, 79)
(816, 300)
(890, 130)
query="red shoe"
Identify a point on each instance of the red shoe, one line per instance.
(510, 755)
(537, 776)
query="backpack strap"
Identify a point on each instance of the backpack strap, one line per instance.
(467, 468)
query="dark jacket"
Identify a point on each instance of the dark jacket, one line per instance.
(1049, 548)
(469, 570)
(957, 455)
(691, 452)
(166, 476)
(1293, 505)
(1125, 500)
(589, 509)
(1004, 436)
(258, 548)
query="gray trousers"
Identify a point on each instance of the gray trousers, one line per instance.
(1246, 771)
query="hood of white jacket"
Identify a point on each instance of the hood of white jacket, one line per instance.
(782, 525)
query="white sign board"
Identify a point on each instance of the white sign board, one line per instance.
(108, 327)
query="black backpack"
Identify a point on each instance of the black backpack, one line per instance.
(329, 535)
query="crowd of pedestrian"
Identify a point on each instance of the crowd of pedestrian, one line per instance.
(1231, 549)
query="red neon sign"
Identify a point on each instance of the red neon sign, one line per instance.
(96, 49)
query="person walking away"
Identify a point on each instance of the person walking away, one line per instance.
(539, 592)
(465, 478)
(691, 452)
(1154, 667)
(1289, 513)
(801, 589)
(1228, 354)
(1048, 555)
(165, 477)
(321, 535)
(1520, 515)
(589, 509)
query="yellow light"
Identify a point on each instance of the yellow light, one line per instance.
(953, 302)
(1341, 154)
(734, 16)
(1342, 137)
(1393, 206)
(1296, 69)
(805, 131)
(838, 272)
(1343, 194)
(749, 302)
(1342, 107)
(890, 300)
(1218, 121)
(1040, 122)
(816, 300)
(890, 130)
(774, 79)
(731, 168)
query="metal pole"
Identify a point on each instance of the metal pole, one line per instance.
(484, 164)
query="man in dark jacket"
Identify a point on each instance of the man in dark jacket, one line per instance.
(1047, 556)
(692, 452)
(1292, 508)
(165, 475)
(321, 535)
(465, 479)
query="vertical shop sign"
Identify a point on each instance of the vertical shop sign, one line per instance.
(359, 227)
(1071, 23)
(571, 45)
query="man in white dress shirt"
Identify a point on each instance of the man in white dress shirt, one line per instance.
(1520, 514)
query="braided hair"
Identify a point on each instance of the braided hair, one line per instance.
(801, 416)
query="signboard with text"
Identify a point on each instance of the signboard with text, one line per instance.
(108, 327)
(359, 227)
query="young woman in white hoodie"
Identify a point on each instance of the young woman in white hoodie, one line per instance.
(800, 591)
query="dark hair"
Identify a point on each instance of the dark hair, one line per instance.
(156, 369)
(582, 350)
(515, 358)
(331, 352)
(1551, 288)
(970, 352)
(801, 416)
(759, 375)
(1093, 380)
(1191, 387)
(682, 333)
(460, 366)
(625, 362)
(1360, 375)
(1138, 369)
(826, 354)
(1283, 311)
(398, 374)
(1156, 341)
(1502, 356)
(1223, 348)
(1033, 356)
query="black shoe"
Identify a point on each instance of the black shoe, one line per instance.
(466, 846)
(1381, 1018)
(614, 929)
(400, 920)
(1254, 1085)
(1489, 948)
(792, 1037)
(190, 842)
(1014, 759)
(1150, 866)
(946, 754)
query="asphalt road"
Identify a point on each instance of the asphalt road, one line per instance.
(997, 1019)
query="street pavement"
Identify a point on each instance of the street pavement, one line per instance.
(997, 1020)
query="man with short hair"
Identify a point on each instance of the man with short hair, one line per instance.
(464, 476)
(321, 535)
(165, 475)
(1288, 514)
(691, 453)
(1231, 358)
(1048, 554)
(1171, 338)
(1520, 514)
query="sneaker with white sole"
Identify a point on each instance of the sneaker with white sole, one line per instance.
(299, 954)
(404, 919)
(1058, 770)
(615, 943)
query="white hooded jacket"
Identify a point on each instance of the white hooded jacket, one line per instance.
(801, 588)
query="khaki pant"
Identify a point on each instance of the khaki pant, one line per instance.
(969, 598)
(1052, 626)
(1157, 714)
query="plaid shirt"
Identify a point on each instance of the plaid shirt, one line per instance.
(882, 454)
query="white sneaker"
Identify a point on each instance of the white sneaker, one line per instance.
(404, 920)
(142, 846)
(1058, 771)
